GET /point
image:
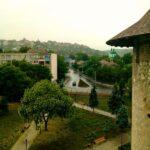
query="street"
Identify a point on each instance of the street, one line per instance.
(75, 77)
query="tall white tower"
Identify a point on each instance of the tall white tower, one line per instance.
(54, 66)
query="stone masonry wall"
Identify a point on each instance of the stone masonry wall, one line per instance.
(141, 99)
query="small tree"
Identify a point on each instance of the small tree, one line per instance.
(115, 101)
(108, 125)
(43, 101)
(24, 49)
(13, 82)
(122, 120)
(62, 68)
(90, 138)
(93, 101)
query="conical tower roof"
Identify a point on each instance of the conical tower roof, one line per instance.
(129, 35)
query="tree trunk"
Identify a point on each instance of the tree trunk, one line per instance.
(46, 124)
(121, 141)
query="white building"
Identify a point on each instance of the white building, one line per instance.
(34, 57)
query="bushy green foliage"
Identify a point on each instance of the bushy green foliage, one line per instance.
(35, 72)
(43, 101)
(13, 82)
(128, 92)
(115, 101)
(24, 49)
(93, 100)
(122, 118)
(108, 74)
(62, 68)
(81, 56)
(19, 75)
(108, 126)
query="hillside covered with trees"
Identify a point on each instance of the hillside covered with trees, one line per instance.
(60, 48)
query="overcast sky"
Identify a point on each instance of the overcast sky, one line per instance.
(89, 22)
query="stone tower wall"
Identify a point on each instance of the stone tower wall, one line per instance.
(141, 98)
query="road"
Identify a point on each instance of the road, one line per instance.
(75, 77)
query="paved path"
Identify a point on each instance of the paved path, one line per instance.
(114, 143)
(30, 134)
(97, 111)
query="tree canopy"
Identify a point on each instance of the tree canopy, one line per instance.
(35, 72)
(44, 101)
(93, 101)
(24, 49)
(116, 99)
(13, 82)
(62, 68)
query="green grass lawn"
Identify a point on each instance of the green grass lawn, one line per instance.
(70, 134)
(84, 99)
(10, 125)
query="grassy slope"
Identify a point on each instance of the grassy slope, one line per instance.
(10, 126)
(70, 134)
(103, 100)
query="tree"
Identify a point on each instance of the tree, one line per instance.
(13, 82)
(122, 120)
(115, 101)
(62, 68)
(24, 49)
(93, 101)
(127, 58)
(91, 66)
(128, 92)
(108, 125)
(91, 137)
(35, 72)
(43, 101)
(81, 56)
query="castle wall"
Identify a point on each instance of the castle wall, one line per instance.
(141, 98)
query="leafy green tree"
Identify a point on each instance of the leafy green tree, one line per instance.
(13, 82)
(44, 101)
(81, 56)
(93, 100)
(127, 58)
(128, 92)
(24, 49)
(90, 138)
(35, 72)
(62, 68)
(122, 120)
(115, 101)
(108, 126)
(91, 66)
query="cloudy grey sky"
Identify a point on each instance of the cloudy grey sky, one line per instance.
(89, 22)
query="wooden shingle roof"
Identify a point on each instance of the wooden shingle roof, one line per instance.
(129, 35)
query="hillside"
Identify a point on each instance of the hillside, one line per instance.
(58, 47)
(53, 46)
